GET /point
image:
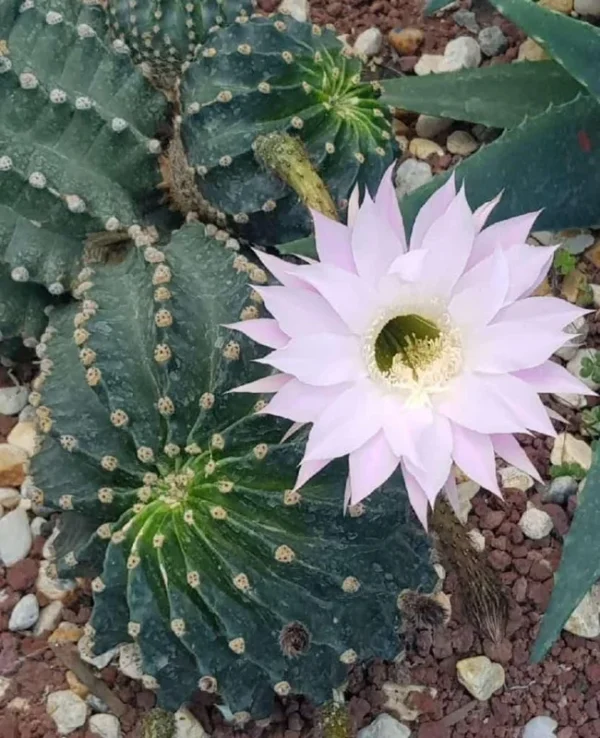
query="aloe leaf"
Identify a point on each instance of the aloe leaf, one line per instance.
(573, 43)
(550, 162)
(432, 6)
(580, 564)
(500, 96)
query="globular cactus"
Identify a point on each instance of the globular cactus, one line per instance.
(205, 556)
(166, 33)
(273, 74)
(78, 153)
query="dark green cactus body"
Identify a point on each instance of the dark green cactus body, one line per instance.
(167, 32)
(277, 74)
(77, 147)
(226, 578)
(21, 309)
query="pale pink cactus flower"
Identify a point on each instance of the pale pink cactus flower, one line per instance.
(414, 353)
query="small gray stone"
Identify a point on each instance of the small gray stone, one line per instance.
(587, 7)
(540, 727)
(575, 402)
(27, 414)
(429, 126)
(485, 134)
(369, 42)
(130, 660)
(535, 524)
(298, 9)
(575, 364)
(560, 490)
(428, 64)
(13, 400)
(480, 676)
(96, 703)
(466, 19)
(25, 613)
(492, 41)
(567, 449)
(411, 175)
(15, 537)
(9, 498)
(384, 726)
(99, 662)
(49, 618)
(37, 526)
(187, 726)
(4, 687)
(585, 619)
(461, 143)
(579, 328)
(105, 726)
(461, 53)
(578, 244)
(68, 711)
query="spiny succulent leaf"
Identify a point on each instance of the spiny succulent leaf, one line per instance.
(573, 43)
(76, 120)
(579, 567)
(223, 575)
(551, 161)
(166, 33)
(277, 74)
(500, 97)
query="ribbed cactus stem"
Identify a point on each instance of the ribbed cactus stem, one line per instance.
(486, 602)
(288, 159)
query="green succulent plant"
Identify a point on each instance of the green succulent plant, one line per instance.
(276, 74)
(167, 32)
(564, 262)
(548, 157)
(178, 495)
(590, 367)
(76, 119)
(567, 470)
(590, 420)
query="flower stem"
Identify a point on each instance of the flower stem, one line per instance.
(485, 600)
(288, 159)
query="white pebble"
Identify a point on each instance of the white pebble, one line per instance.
(411, 175)
(13, 400)
(24, 614)
(369, 42)
(15, 537)
(461, 53)
(535, 524)
(105, 726)
(68, 711)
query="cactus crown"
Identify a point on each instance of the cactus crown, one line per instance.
(272, 74)
(226, 578)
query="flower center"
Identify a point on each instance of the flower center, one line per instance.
(419, 352)
(407, 340)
